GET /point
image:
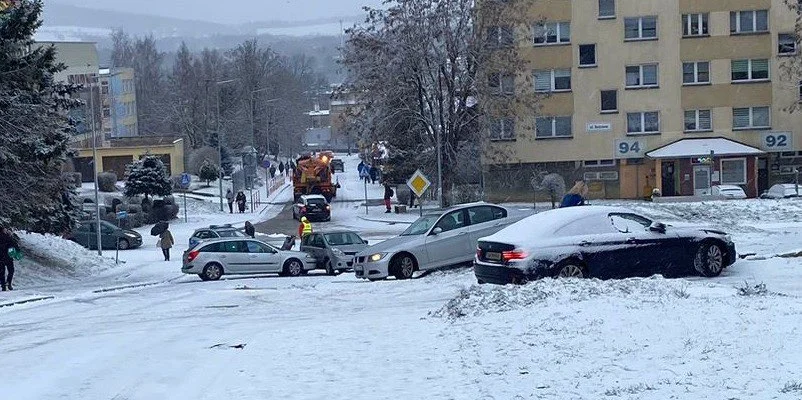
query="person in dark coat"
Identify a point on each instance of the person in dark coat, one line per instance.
(388, 195)
(250, 230)
(374, 174)
(575, 196)
(8, 241)
(230, 199)
(359, 169)
(281, 168)
(241, 202)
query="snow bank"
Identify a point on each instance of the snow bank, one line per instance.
(51, 259)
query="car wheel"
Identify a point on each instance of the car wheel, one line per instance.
(572, 269)
(709, 260)
(293, 267)
(123, 244)
(203, 277)
(330, 268)
(213, 271)
(403, 266)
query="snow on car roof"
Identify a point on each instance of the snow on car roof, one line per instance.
(546, 223)
(313, 196)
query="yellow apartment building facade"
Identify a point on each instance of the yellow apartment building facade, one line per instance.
(677, 95)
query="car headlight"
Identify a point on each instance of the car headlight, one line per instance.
(376, 257)
(338, 252)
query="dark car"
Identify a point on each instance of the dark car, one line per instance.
(85, 234)
(215, 232)
(333, 251)
(598, 242)
(313, 207)
(337, 165)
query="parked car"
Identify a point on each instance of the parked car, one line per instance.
(313, 207)
(434, 240)
(231, 256)
(334, 251)
(215, 232)
(729, 191)
(598, 242)
(337, 165)
(111, 236)
(782, 191)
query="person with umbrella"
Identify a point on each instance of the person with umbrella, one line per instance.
(166, 242)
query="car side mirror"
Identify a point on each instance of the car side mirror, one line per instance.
(658, 227)
(437, 231)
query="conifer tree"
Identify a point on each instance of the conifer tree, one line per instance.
(147, 177)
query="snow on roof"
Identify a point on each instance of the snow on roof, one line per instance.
(702, 147)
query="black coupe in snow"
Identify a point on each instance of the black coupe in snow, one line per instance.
(598, 242)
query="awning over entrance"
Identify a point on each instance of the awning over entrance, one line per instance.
(686, 148)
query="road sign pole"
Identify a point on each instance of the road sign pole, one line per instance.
(366, 196)
(186, 219)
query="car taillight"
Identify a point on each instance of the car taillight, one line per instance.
(512, 255)
(192, 255)
(303, 210)
(478, 253)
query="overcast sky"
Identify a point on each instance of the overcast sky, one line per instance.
(233, 11)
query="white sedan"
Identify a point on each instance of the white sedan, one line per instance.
(729, 191)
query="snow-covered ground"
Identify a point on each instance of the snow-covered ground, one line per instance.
(439, 336)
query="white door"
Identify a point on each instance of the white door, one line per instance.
(701, 180)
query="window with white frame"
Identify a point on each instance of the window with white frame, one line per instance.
(786, 44)
(643, 122)
(553, 127)
(501, 84)
(552, 33)
(698, 121)
(695, 25)
(694, 73)
(502, 128)
(733, 171)
(751, 21)
(641, 76)
(640, 28)
(750, 70)
(500, 36)
(751, 118)
(606, 9)
(557, 80)
(599, 163)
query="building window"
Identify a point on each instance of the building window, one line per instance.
(640, 28)
(552, 127)
(641, 76)
(502, 129)
(749, 21)
(599, 163)
(587, 55)
(609, 101)
(695, 25)
(800, 91)
(695, 73)
(552, 33)
(786, 44)
(606, 9)
(501, 84)
(698, 121)
(750, 70)
(106, 112)
(558, 80)
(104, 87)
(500, 36)
(643, 122)
(751, 118)
(733, 171)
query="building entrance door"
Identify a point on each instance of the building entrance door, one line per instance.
(669, 188)
(701, 180)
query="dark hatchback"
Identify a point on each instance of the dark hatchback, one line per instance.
(337, 165)
(313, 206)
(599, 242)
(85, 234)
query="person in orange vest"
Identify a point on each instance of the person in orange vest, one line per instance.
(305, 228)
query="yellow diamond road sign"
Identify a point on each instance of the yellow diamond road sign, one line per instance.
(418, 183)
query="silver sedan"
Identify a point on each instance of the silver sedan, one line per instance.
(435, 240)
(213, 259)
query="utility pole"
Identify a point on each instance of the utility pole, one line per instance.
(439, 170)
(220, 139)
(94, 159)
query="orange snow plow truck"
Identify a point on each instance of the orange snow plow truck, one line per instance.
(313, 175)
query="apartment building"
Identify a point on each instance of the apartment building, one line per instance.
(118, 103)
(677, 95)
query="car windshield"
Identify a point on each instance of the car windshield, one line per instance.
(421, 225)
(343, 238)
(230, 233)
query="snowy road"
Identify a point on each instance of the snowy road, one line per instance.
(435, 337)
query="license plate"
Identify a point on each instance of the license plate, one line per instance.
(493, 256)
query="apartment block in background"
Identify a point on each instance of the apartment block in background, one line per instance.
(676, 95)
(118, 103)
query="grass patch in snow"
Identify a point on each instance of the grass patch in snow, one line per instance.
(477, 300)
(634, 389)
(792, 387)
(749, 290)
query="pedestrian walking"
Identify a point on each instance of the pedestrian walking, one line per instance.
(241, 202)
(230, 198)
(9, 243)
(575, 196)
(250, 230)
(359, 169)
(388, 195)
(411, 199)
(281, 168)
(166, 242)
(305, 228)
(374, 174)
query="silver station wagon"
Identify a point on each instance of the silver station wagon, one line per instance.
(212, 259)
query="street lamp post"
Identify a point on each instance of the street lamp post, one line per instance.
(220, 139)
(94, 161)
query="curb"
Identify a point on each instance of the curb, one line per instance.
(31, 300)
(391, 222)
(135, 286)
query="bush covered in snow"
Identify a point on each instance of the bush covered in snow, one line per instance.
(554, 185)
(209, 172)
(106, 182)
(198, 157)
